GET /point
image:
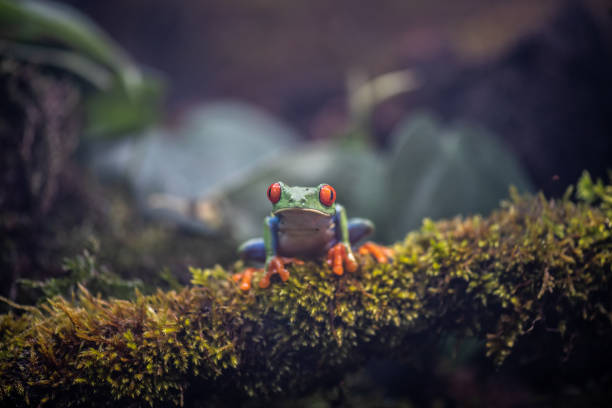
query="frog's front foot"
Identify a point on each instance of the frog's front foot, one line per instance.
(277, 266)
(381, 253)
(339, 257)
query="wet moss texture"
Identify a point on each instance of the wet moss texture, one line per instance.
(534, 270)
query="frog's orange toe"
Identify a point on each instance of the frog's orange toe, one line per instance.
(245, 277)
(382, 254)
(277, 266)
(264, 282)
(338, 258)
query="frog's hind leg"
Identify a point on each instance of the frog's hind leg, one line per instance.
(381, 253)
(359, 228)
(253, 250)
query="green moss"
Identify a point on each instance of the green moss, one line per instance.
(82, 269)
(534, 266)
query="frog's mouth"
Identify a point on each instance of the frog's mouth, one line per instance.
(298, 210)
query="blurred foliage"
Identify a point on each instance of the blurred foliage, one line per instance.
(365, 95)
(534, 273)
(118, 110)
(114, 250)
(60, 77)
(50, 207)
(54, 35)
(84, 270)
(211, 173)
(213, 148)
(431, 170)
(594, 191)
(136, 247)
(439, 170)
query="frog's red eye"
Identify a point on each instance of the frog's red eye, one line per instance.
(274, 192)
(327, 195)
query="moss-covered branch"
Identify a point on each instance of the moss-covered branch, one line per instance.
(534, 266)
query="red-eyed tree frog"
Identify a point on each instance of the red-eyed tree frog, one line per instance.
(306, 222)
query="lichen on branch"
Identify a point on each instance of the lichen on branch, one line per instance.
(534, 265)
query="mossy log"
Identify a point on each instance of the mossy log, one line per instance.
(533, 266)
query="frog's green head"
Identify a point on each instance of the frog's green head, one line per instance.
(320, 199)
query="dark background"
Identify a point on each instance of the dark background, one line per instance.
(536, 73)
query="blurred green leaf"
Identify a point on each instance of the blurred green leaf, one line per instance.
(116, 111)
(49, 22)
(53, 34)
(87, 70)
(439, 171)
(175, 174)
(432, 171)
(227, 154)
